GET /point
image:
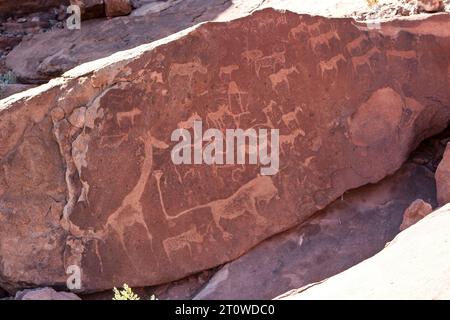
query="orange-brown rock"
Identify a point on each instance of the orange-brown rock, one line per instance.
(114, 8)
(90, 9)
(415, 212)
(430, 5)
(86, 175)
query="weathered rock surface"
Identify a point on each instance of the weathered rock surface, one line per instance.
(115, 8)
(9, 8)
(45, 294)
(443, 178)
(90, 9)
(86, 176)
(10, 89)
(415, 212)
(430, 5)
(100, 38)
(413, 266)
(347, 232)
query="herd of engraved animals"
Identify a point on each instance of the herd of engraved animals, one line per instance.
(319, 34)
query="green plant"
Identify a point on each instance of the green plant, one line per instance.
(125, 294)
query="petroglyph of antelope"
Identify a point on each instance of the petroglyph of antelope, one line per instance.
(127, 115)
(282, 77)
(331, 64)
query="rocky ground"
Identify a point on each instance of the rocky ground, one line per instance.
(373, 100)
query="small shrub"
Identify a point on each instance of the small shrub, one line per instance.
(125, 294)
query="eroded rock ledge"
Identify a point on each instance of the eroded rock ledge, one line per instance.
(86, 176)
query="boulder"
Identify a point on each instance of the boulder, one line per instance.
(350, 230)
(415, 212)
(87, 178)
(443, 179)
(9, 8)
(152, 20)
(90, 9)
(7, 90)
(100, 38)
(45, 294)
(414, 266)
(114, 8)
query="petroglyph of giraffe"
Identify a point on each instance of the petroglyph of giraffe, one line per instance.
(130, 212)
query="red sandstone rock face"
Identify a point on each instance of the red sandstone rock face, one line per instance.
(86, 176)
(415, 212)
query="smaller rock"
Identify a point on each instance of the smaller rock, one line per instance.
(442, 177)
(45, 294)
(139, 3)
(152, 8)
(114, 8)
(9, 41)
(430, 5)
(56, 64)
(7, 90)
(414, 213)
(90, 9)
